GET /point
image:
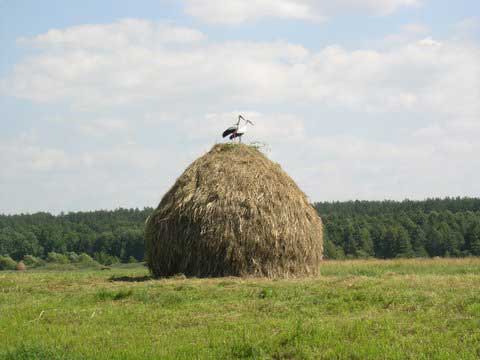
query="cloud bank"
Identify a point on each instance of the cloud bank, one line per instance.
(143, 99)
(234, 12)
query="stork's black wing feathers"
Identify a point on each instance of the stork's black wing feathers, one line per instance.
(229, 131)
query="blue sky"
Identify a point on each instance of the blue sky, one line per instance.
(105, 103)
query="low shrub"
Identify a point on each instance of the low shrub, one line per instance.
(85, 259)
(57, 258)
(72, 256)
(33, 261)
(7, 263)
(106, 259)
(70, 261)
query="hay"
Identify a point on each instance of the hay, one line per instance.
(20, 266)
(233, 212)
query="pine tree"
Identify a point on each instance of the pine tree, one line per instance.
(403, 247)
(418, 243)
(366, 242)
(473, 239)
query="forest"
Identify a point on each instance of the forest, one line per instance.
(447, 227)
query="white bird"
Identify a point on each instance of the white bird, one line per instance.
(237, 131)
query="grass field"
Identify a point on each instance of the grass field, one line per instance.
(418, 309)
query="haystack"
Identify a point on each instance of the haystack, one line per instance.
(233, 212)
(20, 266)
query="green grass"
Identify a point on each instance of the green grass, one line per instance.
(418, 309)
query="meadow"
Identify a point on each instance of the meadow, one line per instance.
(357, 309)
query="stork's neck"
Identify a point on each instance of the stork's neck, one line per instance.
(240, 118)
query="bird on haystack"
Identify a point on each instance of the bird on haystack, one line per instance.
(237, 131)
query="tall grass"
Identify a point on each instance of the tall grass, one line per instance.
(362, 309)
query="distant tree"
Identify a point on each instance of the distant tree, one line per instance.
(403, 247)
(350, 243)
(418, 242)
(473, 238)
(366, 242)
(434, 242)
(330, 251)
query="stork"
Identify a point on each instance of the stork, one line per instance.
(236, 131)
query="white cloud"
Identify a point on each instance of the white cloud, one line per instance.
(430, 164)
(103, 127)
(379, 7)
(22, 156)
(38, 177)
(420, 75)
(114, 36)
(407, 34)
(239, 11)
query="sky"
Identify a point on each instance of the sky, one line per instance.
(104, 104)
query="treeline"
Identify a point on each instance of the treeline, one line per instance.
(389, 229)
(107, 236)
(354, 229)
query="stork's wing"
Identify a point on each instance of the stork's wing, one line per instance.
(229, 131)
